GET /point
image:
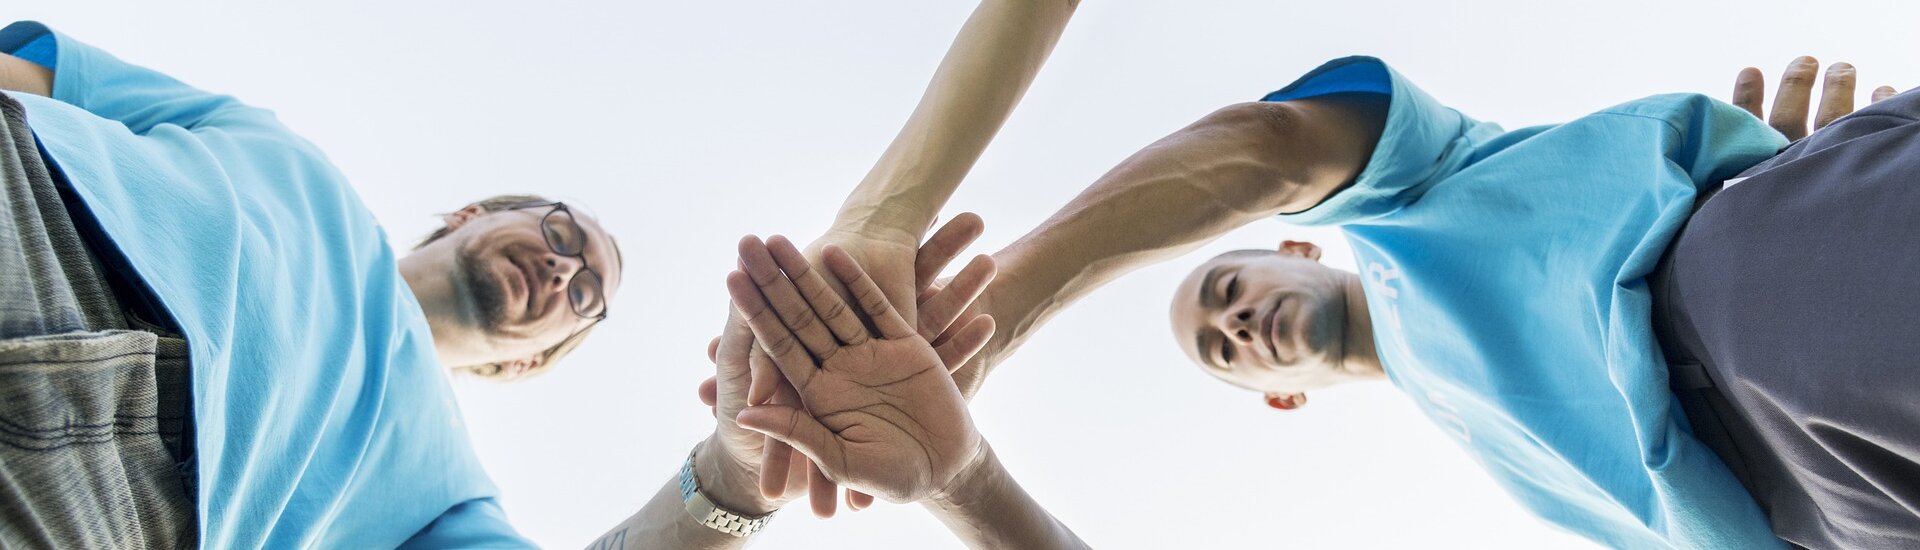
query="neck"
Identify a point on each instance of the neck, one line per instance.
(435, 289)
(1362, 358)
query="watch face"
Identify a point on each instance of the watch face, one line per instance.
(688, 485)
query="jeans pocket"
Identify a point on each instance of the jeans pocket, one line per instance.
(82, 459)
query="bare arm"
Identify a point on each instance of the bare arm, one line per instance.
(983, 76)
(664, 522)
(986, 71)
(1239, 164)
(20, 75)
(986, 508)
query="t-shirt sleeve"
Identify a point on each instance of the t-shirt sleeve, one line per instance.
(1421, 143)
(140, 98)
(477, 523)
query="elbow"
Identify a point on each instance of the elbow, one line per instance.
(1265, 147)
(1256, 122)
(1307, 150)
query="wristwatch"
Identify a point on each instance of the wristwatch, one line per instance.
(705, 511)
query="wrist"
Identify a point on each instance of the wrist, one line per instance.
(975, 481)
(883, 221)
(729, 483)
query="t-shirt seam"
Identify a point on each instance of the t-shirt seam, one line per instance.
(1677, 132)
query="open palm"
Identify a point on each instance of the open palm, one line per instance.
(878, 411)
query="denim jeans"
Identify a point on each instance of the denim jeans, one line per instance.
(95, 427)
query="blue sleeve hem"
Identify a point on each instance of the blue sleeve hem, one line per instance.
(1344, 75)
(1421, 142)
(31, 41)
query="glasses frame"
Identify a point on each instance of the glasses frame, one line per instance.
(546, 221)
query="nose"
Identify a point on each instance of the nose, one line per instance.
(559, 270)
(1237, 324)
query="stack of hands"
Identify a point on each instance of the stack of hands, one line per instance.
(821, 358)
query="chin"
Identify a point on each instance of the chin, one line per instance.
(485, 284)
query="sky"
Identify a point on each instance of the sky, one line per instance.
(685, 125)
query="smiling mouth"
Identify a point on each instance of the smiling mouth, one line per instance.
(526, 283)
(1272, 331)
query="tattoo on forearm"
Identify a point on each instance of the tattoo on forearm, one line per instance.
(616, 540)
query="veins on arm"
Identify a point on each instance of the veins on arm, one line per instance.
(616, 540)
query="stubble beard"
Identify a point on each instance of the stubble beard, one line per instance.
(486, 301)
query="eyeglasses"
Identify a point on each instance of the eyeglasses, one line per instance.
(586, 291)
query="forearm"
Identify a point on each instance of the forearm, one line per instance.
(1236, 166)
(20, 75)
(986, 71)
(987, 508)
(664, 523)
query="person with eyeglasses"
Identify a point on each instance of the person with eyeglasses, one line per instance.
(508, 267)
(207, 340)
(251, 364)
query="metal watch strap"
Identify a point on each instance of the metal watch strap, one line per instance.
(705, 511)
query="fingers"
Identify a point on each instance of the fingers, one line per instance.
(1836, 95)
(1790, 103)
(821, 491)
(713, 349)
(966, 342)
(865, 292)
(797, 474)
(710, 391)
(1749, 90)
(945, 245)
(820, 297)
(772, 336)
(938, 312)
(777, 462)
(764, 377)
(775, 458)
(858, 501)
(794, 312)
(1884, 92)
(793, 426)
(730, 357)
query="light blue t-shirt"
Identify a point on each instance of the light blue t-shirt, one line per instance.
(1505, 276)
(322, 416)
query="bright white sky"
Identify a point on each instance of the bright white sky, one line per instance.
(688, 124)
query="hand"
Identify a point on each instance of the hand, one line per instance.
(940, 305)
(891, 270)
(1796, 90)
(729, 463)
(972, 373)
(879, 412)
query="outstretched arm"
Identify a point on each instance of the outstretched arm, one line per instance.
(1239, 164)
(985, 507)
(985, 72)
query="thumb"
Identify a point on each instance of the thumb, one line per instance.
(794, 427)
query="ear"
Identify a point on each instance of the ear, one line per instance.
(460, 217)
(1301, 248)
(1286, 402)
